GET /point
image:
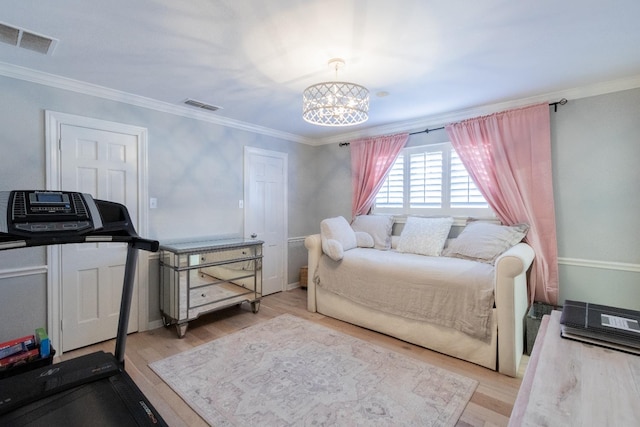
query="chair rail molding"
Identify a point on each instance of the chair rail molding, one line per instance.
(9, 273)
(603, 265)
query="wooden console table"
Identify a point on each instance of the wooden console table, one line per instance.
(569, 383)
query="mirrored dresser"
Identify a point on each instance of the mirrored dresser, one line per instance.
(199, 277)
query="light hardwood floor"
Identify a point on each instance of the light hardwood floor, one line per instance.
(490, 405)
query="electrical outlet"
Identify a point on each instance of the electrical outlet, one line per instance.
(241, 204)
(153, 203)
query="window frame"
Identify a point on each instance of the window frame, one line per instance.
(445, 210)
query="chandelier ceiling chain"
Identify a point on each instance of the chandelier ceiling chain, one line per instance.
(335, 103)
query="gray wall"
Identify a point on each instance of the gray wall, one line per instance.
(195, 172)
(596, 152)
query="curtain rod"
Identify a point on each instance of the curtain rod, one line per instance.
(551, 104)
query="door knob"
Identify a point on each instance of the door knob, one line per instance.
(254, 235)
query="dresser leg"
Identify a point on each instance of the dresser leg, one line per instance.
(181, 329)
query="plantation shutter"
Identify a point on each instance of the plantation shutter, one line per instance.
(464, 193)
(391, 195)
(425, 188)
(430, 180)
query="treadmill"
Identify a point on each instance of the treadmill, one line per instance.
(93, 389)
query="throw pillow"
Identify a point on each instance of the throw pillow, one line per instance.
(333, 249)
(424, 236)
(339, 230)
(378, 226)
(364, 240)
(485, 241)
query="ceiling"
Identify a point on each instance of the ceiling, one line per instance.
(418, 58)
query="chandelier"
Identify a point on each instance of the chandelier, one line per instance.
(335, 103)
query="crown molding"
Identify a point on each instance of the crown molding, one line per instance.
(33, 76)
(454, 116)
(30, 75)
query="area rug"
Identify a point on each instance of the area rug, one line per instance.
(290, 371)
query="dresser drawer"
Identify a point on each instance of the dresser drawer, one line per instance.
(218, 294)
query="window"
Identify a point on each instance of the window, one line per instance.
(430, 180)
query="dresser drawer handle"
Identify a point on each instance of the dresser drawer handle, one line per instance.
(204, 295)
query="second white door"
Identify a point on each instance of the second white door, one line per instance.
(265, 215)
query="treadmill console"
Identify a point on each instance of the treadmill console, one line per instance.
(34, 212)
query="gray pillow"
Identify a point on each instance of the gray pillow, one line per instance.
(364, 240)
(485, 241)
(378, 226)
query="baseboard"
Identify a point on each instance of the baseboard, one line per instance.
(154, 324)
(292, 286)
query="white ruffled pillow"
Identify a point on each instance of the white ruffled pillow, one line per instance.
(424, 236)
(337, 236)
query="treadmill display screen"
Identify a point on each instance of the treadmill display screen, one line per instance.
(49, 197)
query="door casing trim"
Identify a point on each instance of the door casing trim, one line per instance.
(53, 122)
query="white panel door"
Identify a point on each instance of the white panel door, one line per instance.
(105, 165)
(266, 212)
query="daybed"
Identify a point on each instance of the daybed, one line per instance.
(464, 297)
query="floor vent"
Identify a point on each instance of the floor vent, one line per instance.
(202, 105)
(19, 37)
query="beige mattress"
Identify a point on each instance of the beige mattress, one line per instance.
(449, 292)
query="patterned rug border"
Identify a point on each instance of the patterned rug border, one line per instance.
(466, 386)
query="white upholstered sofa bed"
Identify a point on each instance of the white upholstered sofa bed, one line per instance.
(465, 297)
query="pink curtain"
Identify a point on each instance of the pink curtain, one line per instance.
(508, 155)
(371, 160)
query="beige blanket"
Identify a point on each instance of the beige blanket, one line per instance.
(450, 292)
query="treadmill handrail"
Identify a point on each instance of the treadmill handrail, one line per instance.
(8, 242)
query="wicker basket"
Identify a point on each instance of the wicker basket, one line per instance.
(303, 276)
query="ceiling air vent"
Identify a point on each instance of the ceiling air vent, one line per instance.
(19, 37)
(202, 105)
